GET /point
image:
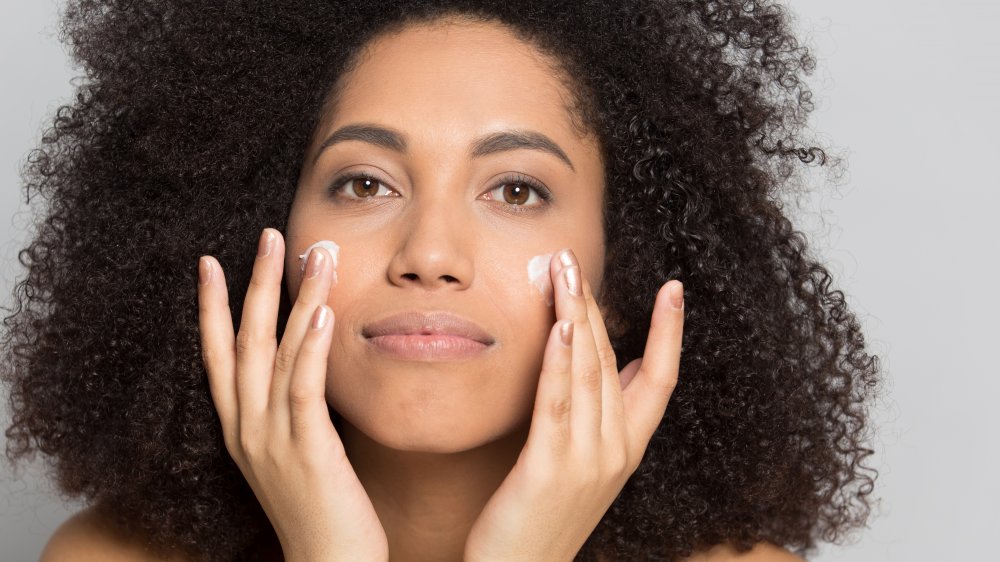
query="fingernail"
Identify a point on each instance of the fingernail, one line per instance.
(566, 332)
(566, 258)
(677, 295)
(320, 317)
(204, 270)
(330, 247)
(315, 264)
(572, 275)
(266, 243)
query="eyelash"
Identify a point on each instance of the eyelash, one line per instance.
(543, 193)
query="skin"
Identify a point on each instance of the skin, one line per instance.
(432, 441)
(513, 454)
(432, 240)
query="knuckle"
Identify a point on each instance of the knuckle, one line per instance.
(607, 356)
(298, 397)
(284, 360)
(591, 380)
(663, 382)
(558, 409)
(245, 342)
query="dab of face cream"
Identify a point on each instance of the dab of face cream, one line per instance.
(538, 276)
(331, 247)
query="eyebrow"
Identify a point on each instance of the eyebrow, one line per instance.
(501, 141)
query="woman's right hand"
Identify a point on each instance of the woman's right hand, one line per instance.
(271, 401)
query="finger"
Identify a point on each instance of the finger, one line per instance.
(646, 397)
(313, 292)
(257, 341)
(585, 415)
(218, 347)
(307, 387)
(550, 420)
(612, 409)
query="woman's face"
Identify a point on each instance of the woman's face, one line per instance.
(452, 122)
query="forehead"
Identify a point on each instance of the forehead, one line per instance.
(450, 79)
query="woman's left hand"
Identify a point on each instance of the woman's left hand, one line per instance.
(589, 429)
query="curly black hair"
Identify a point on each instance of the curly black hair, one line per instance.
(186, 136)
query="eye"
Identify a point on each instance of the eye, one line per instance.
(520, 192)
(357, 186)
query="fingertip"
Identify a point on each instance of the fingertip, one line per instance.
(276, 244)
(565, 328)
(204, 270)
(558, 348)
(275, 233)
(674, 292)
(211, 277)
(322, 317)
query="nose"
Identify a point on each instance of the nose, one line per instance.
(435, 248)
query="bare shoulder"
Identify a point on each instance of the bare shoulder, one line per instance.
(88, 537)
(761, 552)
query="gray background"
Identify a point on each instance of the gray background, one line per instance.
(908, 91)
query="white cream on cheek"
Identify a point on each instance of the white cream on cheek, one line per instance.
(331, 247)
(538, 276)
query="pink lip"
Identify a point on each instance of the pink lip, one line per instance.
(434, 335)
(417, 347)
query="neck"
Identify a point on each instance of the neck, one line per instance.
(427, 502)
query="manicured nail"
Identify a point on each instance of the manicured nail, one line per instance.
(315, 264)
(320, 317)
(572, 275)
(677, 295)
(566, 258)
(566, 332)
(204, 270)
(266, 243)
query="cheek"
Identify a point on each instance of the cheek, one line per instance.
(539, 277)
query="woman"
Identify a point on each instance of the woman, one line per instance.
(456, 338)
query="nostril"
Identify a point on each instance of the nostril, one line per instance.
(445, 278)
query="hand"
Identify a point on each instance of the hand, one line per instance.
(587, 434)
(271, 402)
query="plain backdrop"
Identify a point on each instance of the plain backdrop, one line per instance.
(908, 92)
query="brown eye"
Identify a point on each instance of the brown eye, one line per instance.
(516, 193)
(519, 193)
(364, 187)
(357, 187)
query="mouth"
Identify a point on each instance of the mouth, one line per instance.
(416, 335)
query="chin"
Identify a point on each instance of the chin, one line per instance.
(443, 432)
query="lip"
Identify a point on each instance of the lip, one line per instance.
(427, 335)
(437, 323)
